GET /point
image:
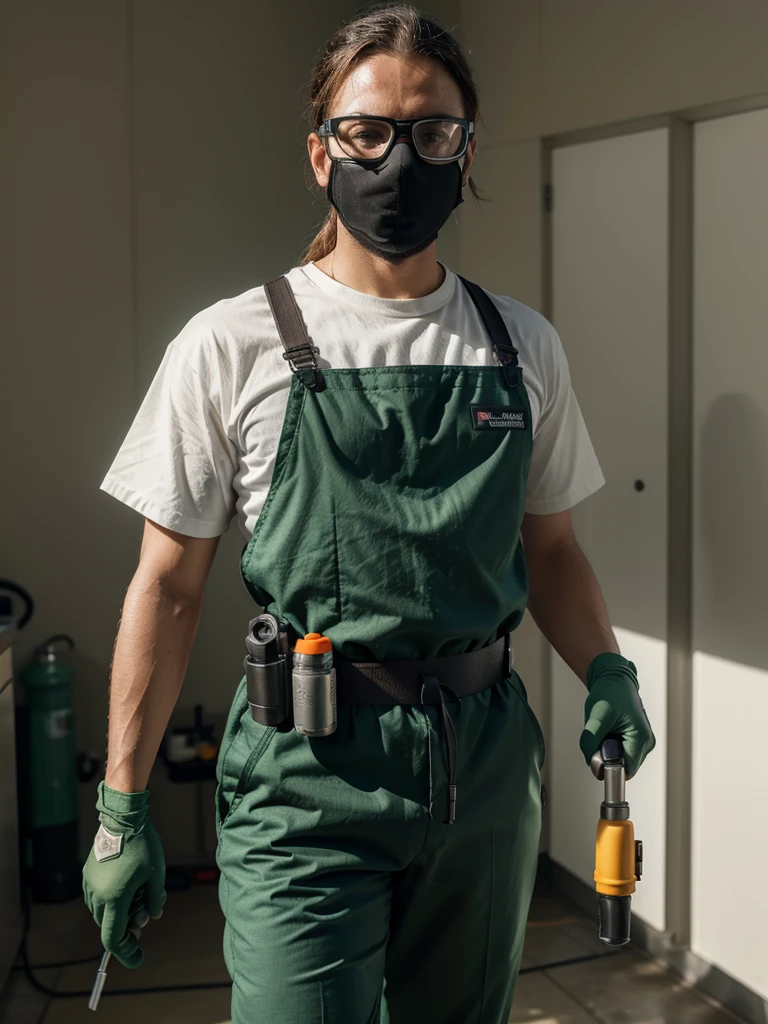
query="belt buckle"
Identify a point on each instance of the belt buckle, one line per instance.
(509, 654)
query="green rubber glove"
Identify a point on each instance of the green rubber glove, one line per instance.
(613, 706)
(124, 876)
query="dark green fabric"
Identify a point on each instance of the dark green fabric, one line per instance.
(614, 705)
(338, 874)
(392, 525)
(122, 892)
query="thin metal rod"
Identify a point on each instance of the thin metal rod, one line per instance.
(98, 985)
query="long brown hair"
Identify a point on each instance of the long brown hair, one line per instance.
(395, 29)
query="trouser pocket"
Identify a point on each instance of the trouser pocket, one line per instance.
(522, 693)
(243, 745)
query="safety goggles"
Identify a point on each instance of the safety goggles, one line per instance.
(369, 140)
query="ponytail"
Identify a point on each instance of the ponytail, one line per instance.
(324, 241)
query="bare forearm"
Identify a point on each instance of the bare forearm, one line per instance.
(568, 607)
(148, 667)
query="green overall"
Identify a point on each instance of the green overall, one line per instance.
(392, 525)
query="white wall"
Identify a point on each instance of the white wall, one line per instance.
(548, 67)
(730, 787)
(609, 273)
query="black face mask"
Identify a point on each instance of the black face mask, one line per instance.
(397, 207)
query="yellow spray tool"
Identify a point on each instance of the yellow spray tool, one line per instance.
(618, 855)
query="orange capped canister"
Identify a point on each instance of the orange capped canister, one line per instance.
(313, 685)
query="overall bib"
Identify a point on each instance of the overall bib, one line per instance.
(392, 525)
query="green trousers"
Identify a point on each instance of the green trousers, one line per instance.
(348, 899)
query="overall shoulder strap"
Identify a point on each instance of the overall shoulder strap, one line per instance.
(299, 350)
(505, 351)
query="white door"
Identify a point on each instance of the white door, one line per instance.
(610, 256)
(730, 592)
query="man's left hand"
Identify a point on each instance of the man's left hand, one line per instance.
(614, 707)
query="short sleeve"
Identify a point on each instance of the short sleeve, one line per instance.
(564, 468)
(176, 465)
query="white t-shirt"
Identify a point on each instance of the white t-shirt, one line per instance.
(203, 444)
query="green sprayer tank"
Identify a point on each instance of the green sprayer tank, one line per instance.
(52, 793)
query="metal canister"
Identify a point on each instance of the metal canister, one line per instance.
(314, 686)
(266, 670)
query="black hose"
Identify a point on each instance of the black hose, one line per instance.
(59, 963)
(565, 963)
(29, 610)
(83, 993)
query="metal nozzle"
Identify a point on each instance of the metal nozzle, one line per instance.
(98, 985)
(615, 784)
(264, 628)
(608, 765)
(614, 917)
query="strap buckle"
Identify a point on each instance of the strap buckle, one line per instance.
(505, 352)
(302, 360)
(298, 349)
(507, 359)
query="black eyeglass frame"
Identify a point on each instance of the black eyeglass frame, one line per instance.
(330, 126)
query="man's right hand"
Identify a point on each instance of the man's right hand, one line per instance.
(157, 626)
(127, 856)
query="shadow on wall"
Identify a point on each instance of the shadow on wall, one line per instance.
(733, 539)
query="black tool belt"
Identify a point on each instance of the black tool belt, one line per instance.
(401, 682)
(428, 681)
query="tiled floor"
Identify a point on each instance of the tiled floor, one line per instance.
(618, 987)
(184, 946)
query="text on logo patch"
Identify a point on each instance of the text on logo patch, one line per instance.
(495, 417)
